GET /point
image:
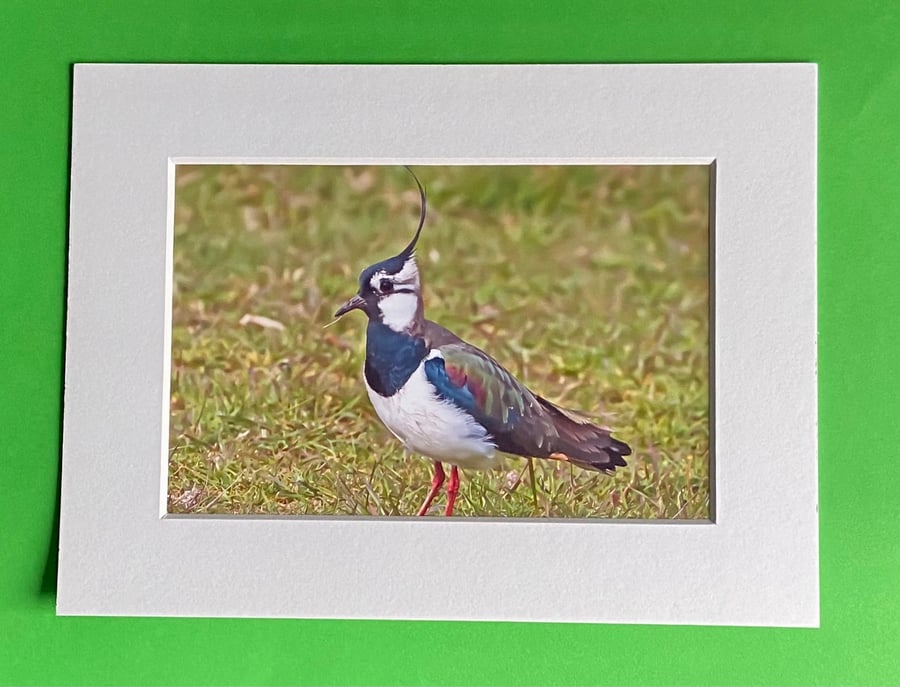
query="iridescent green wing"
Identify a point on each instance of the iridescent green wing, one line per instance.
(478, 384)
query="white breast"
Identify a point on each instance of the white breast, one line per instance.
(428, 425)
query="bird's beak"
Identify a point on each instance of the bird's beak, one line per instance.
(355, 303)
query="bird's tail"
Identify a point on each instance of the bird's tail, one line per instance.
(582, 442)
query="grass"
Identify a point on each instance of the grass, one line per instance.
(589, 283)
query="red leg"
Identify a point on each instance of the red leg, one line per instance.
(452, 489)
(436, 483)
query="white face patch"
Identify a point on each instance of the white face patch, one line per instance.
(408, 276)
(398, 310)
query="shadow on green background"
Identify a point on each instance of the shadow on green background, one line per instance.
(856, 48)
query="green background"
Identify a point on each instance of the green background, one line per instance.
(855, 45)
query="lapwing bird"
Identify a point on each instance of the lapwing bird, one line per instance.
(450, 401)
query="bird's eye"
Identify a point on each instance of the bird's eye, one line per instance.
(386, 286)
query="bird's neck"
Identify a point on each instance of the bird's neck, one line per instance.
(391, 357)
(403, 312)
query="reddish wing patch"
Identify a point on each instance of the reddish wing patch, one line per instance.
(457, 375)
(459, 378)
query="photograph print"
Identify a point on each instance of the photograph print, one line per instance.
(499, 341)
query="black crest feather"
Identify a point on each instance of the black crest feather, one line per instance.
(410, 249)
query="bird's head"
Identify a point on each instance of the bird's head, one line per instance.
(390, 290)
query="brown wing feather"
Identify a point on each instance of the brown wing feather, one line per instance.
(582, 442)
